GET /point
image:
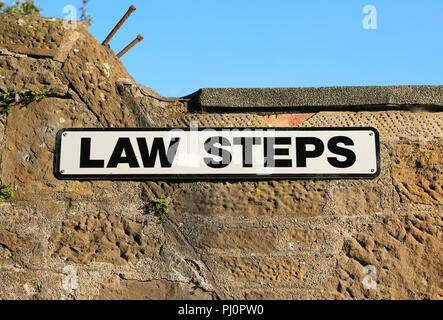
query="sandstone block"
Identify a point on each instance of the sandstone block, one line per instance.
(256, 240)
(264, 270)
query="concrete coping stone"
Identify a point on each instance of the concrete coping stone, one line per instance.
(318, 99)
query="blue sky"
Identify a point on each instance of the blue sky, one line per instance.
(281, 43)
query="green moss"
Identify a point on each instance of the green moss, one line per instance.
(6, 193)
(160, 207)
(9, 99)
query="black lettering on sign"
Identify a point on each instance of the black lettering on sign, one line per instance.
(270, 152)
(247, 144)
(303, 154)
(85, 156)
(123, 145)
(216, 151)
(158, 148)
(349, 154)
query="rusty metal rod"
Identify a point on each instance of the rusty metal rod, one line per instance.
(133, 43)
(118, 26)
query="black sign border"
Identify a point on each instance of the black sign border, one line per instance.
(212, 177)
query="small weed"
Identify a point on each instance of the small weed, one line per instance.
(11, 98)
(6, 193)
(196, 286)
(160, 207)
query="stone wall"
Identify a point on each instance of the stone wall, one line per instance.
(301, 239)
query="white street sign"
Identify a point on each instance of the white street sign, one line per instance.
(222, 153)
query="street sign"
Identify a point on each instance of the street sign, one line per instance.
(217, 153)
